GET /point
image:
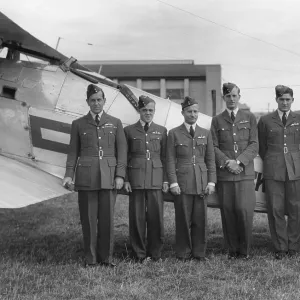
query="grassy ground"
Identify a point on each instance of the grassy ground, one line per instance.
(41, 253)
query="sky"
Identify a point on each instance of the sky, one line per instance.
(206, 31)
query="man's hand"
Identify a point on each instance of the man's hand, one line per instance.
(68, 183)
(165, 187)
(239, 170)
(210, 189)
(233, 166)
(119, 181)
(127, 187)
(175, 190)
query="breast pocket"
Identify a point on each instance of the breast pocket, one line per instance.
(243, 130)
(86, 138)
(294, 132)
(136, 144)
(111, 139)
(181, 149)
(155, 143)
(274, 135)
(201, 146)
(223, 134)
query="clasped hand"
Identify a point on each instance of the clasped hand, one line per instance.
(233, 167)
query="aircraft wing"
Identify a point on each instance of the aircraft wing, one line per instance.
(22, 185)
(10, 32)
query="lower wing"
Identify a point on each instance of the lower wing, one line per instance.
(22, 185)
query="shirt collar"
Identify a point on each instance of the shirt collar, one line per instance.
(234, 111)
(94, 115)
(188, 126)
(280, 113)
(143, 123)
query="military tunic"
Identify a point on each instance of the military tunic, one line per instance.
(279, 147)
(236, 140)
(191, 164)
(97, 154)
(146, 174)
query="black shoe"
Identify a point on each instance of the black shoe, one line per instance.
(201, 259)
(292, 253)
(107, 264)
(279, 255)
(183, 259)
(243, 256)
(86, 265)
(232, 255)
(141, 260)
(156, 259)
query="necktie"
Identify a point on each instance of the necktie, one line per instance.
(192, 131)
(232, 116)
(146, 127)
(284, 118)
(97, 119)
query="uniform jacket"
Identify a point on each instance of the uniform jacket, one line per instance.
(235, 140)
(190, 161)
(97, 154)
(146, 156)
(279, 146)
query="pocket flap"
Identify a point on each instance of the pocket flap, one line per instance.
(201, 142)
(112, 162)
(134, 164)
(243, 125)
(203, 168)
(84, 163)
(157, 164)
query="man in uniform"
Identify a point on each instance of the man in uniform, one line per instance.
(279, 147)
(145, 181)
(192, 174)
(98, 156)
(234, 134)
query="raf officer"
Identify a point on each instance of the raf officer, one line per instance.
(234, 136)
(145, 181)
(192, 173)
(279, 147)
(97, 159)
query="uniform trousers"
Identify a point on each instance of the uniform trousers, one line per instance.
(237, 199)
(146, 218)
(96, 210)
(283, 198)
(191, 225)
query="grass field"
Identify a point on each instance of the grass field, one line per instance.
(41, 255)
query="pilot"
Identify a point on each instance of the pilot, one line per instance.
(191, 174)
(234, 134)
(97, 160)
(279, 148)
(145, 182)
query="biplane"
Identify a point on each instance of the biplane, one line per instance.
(39, 99)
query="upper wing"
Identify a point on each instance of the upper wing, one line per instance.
(22, 185)
(11, 33)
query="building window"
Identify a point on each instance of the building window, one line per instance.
(155, 92)
(175, 93)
